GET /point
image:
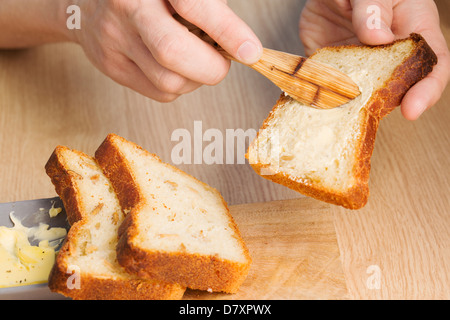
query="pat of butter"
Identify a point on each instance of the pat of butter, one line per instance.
(22, 263)
(53, 212)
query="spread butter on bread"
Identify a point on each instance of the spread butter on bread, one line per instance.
(86, 267)
(178, 229)
(325, 154)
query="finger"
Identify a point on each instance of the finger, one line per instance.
(419, 16)
(178, 50)
(372, 21)
(426, 93)
(162, 78)
(223, 25)
(423, 17)
(127, 73)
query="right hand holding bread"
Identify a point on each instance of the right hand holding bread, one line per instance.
(335, 22)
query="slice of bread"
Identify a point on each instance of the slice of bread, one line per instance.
(89, 249)
(178, 229)
(325, 154)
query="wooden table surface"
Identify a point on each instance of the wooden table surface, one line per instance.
(52, 95)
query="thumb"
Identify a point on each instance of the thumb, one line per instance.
(372, 20)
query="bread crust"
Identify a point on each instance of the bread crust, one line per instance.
(61, 280)
(179, 267)
(92, 287)
(63, 179)
(413, 69)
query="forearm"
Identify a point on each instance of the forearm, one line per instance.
(26, 23)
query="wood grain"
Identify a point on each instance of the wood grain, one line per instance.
(405, 227)
(52, 95)
(294, 250)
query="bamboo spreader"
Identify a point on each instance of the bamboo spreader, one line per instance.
(310, 82)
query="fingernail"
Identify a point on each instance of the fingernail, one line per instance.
(420, 110)
(416, 108)
(386, 28)
(249, 53)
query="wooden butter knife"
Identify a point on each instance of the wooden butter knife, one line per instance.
(310, 82)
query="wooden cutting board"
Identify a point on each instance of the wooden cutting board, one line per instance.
(293, 245)
(294, 249)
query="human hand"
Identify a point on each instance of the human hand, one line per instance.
(335, 22)
(140, 45)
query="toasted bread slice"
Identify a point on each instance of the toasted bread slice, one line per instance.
(178, 229)
(86, 266)
(325, 154)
